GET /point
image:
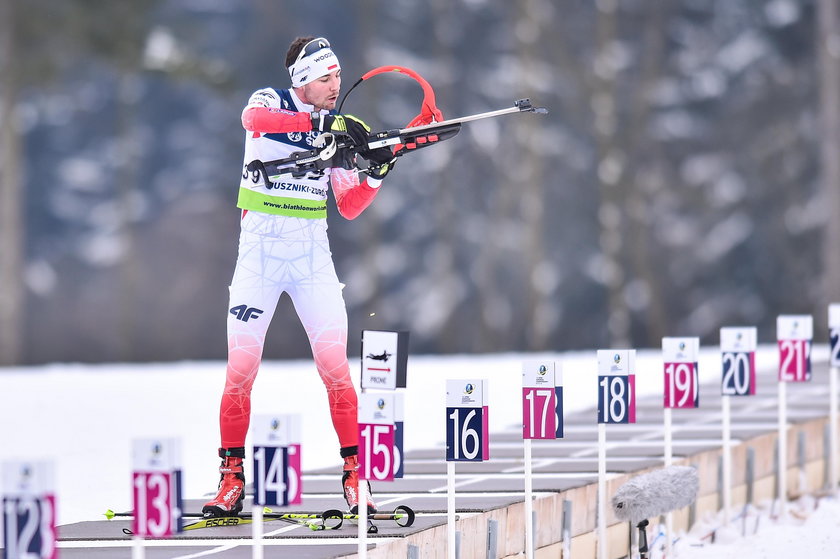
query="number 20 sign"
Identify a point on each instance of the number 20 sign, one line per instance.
(28, 510)
(737, 348)
(794, 334)
(542, 400)
(681, 376)
(467, 418)
(616, 386)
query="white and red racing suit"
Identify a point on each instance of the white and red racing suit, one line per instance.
(283, 247)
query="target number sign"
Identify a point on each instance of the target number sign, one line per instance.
(737, 348)
(467, 421)
(542, 400)
(156, 488)
(682, 384)
(616, 386)
(376, 436)
(794, 335)
(834, 333)
(29, 510)
(277, 471)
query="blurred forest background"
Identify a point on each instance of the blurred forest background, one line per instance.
(685, 179)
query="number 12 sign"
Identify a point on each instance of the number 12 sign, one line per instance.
(737, 348)
(681, 375)
(542, 400)
(794, 333)
(28, 510)
(467, 431)
(616, 386)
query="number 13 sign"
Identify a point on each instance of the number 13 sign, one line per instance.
(794, 333)
(467, 429)
(157, 488)
(542, 401)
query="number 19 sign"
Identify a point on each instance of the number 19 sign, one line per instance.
(467, 432)
(157, 488)
(28, 510)
(681, 376)
(542, 400)
(616, 386)
(794, 333)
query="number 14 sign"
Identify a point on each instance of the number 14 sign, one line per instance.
(542, 400)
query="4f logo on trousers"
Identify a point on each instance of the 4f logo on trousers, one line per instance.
(245, 313)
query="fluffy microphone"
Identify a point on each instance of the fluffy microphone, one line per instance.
(656, 493)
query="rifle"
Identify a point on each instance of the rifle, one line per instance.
(338, 150)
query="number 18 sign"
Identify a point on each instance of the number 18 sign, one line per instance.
(542, 400)
(616, 386)
(681, 376)
(794, 333)
(28, 510)
(467, 431)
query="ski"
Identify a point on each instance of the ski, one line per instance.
(331, 519)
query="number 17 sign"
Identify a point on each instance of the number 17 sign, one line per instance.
(542, 400)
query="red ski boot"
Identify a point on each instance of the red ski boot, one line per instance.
(350, 483)
(228, 501)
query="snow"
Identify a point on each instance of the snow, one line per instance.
(84, 418)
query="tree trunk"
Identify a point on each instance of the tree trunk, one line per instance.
(829, 76)
(12, 232)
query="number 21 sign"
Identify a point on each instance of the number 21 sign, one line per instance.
(794, 333)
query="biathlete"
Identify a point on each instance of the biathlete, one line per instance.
(283, 247)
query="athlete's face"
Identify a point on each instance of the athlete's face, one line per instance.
(323, 92)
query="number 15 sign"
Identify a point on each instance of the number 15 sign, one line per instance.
(542, 400)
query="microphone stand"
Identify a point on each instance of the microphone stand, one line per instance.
(643, 546)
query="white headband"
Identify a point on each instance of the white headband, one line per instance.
(310, 68)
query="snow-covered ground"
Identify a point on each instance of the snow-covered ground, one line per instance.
(84, 417)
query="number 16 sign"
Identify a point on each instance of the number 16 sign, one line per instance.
(542, 400)
(467, 431)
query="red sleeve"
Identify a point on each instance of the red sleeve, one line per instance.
(351, 197)
(268, 120)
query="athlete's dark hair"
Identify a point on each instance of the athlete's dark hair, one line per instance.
(295, 48)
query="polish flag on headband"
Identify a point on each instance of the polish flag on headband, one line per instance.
(309, 68)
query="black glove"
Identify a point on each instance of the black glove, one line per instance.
(379, 170)
(343, 124)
